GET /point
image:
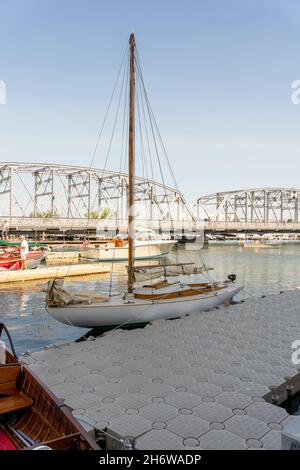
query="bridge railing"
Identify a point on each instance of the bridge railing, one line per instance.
(58, 223)
(273, 226)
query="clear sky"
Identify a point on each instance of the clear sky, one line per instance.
(218, 73)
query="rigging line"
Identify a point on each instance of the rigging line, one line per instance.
(112, 272)
(103, 125)
(144, 165)
(117, 112)
(150, 119)
(108, 108)
(156, 125)
(148, 193)
(143, 161)
(123, 146)
(156, 148)
(126, 145)
(115, 121)
(125, 162)
(154, 139)
(151, 114)
(97, 144)
(163, 147)
(140, 76)
(142, 169)
(160, 138)
(146, 129)
(124, 114)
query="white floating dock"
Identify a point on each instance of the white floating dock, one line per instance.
(193, 383)
(63, 256)
(52, 272)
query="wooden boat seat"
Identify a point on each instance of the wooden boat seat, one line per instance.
(173, 295)
(9, 373)
(16, 402)
(8, 379)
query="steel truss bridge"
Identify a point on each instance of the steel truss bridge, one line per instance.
(251, 210)
(40, 197)
(53, 197)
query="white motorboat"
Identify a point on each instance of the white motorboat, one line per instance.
(147, 246)
(157, 297)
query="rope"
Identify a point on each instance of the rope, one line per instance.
(98, 140)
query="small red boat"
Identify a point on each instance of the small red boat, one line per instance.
(12, 261)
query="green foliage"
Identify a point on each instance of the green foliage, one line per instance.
(105, 213)
(44, 214)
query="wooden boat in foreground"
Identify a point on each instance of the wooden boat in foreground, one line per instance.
(31, 418)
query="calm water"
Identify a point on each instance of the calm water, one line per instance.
(262, 271)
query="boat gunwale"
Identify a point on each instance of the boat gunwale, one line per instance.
(132, 303)
(28, 378)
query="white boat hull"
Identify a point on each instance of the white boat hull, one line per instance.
(143, 250)
(118, 312)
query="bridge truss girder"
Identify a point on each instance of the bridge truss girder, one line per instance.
(260, 205)
(29, 190)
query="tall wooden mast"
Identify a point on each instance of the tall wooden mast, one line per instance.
(131, 231)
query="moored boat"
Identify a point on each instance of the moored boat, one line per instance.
(13, 262)
(117, 250)
(159, 299)
(262, 244)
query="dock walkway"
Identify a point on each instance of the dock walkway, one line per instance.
(191, 383)
(51, 272)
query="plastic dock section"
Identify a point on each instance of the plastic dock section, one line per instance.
(192, 383)
(60, 257)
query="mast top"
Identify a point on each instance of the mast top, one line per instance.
(132, 39)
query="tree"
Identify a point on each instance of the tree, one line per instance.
(44, 214)
(101, 214)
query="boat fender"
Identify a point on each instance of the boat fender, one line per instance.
(232, 277)
(2, 352)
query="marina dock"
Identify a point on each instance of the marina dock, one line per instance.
(192, 383)
(60, 256)
(51, 272)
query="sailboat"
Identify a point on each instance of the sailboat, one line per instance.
(152, 291)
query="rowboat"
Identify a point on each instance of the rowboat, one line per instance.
(31, 417)
(13, 262)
